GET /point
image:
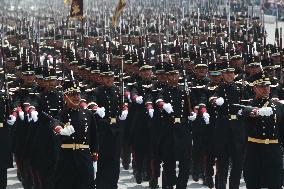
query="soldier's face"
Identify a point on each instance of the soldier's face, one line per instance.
(95, 77)
(28, 79)
(228, 77)
(107, 80)
(173, 79)
(72, 100)
(215, 79)
(201, 71)
(237, 64)
(146, 74)
(52, 84)
(261, 91)
(254, 70)
(161, 77)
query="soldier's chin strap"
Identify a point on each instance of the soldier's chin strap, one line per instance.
(71, 102)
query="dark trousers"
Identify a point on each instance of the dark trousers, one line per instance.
(170, 173)
(198, 155)
(109, 161)
(3, 178)
(75, 170)
(230, 148)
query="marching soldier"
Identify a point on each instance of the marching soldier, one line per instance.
(264, 124)
(175, 143)
(25, 104)
(215, 76)
(156, 126)
(142, 97)
(199, 101)
(109, 112)
(6, 158)
(77, 131)
(46, 150)
(230, 133)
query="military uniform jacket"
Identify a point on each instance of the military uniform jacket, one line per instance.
(139, 131)
(84, 123)
(109, 98)
(231, 93)
(198, 91)
(24, 130)
(176, 133)
(46, 144)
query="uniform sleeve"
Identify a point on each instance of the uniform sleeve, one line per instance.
(134, 93)
(93, 134)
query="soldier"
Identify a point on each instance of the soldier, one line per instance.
(199, 101)
(156, 125)
(76, 129)
(25, 104)
(175, 143)
(215, 76)
(142, 98)
(264, 124)
(46, 150)
(230, 134)
(109, 112)
(6, 158)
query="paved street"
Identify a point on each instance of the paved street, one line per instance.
(126, 181)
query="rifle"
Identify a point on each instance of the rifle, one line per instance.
(187, 90)
(53, 119)
(6, 86)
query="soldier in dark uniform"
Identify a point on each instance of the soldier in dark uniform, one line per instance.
(25, 103)
(142, 98)
(175, 142)
(46, 149)
(269, 68)
(156, 125)
(109, 114)
(264, 124)
(76, 129)
(6, 159)
(215, 76)
(130, 79)
(199, 101)
(230, 134)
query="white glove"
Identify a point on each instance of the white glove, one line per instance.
(12, 120)
(168, 108)
(151, 113)
(219, 101)
(266, 111)
(34, 116)
(21, 115)
(139, 99)
(240, 112)
(192, 117)
(67, 131)
(123, 115)
(101, 112)
(206, 118)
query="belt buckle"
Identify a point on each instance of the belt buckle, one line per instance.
(112, 120)
(233, 117)
(76, 146)
(266, 141)
(1, 125)
(177, 120)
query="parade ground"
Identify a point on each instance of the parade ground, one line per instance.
(127, 180)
